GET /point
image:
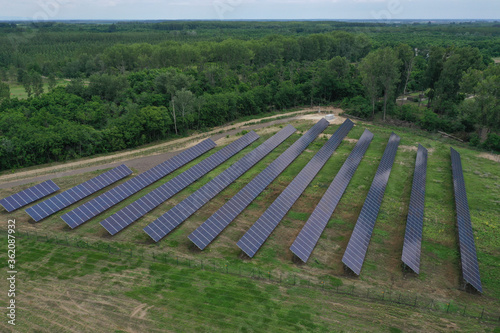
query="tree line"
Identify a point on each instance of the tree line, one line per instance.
(131, 94)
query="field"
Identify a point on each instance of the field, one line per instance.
(61, 287)
(17, 90)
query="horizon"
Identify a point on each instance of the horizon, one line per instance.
(253, 10)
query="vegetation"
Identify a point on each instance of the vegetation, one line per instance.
(111, 288)
(135, 83)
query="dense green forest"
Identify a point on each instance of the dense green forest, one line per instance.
(132, 83)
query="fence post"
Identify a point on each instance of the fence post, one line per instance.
(482, 313)
(383, 295)
(448, 309)
(465, 308)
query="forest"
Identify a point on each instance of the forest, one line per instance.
(96, 88)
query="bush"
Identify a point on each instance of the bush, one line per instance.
(407, 113)
(474, 140)
(357, 106)
(492, 142)
(431, 121)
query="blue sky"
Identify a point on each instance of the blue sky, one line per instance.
(249, 9)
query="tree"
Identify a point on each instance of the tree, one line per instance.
(52, 82)
(369, 71)
(407, 56)
(28, 87)
(448, 86)
(169, 83)
(37, 83)
(185, 101)
(380, 73)
(108, 87)
(389, 75)
(4, 90)
(482, 106)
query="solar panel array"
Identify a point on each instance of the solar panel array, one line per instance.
(77, 193)
(308, 237)
(468, 255)
(178, 214)
(355, 253)
(96, 206)
(214, 225)
(415, 219)
(131, 213)
(29, 195)
(258, 233)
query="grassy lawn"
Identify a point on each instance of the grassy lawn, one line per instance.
(172, 296)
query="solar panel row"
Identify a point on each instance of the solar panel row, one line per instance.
(77, 193)
(29, 195)
(415, 219)
(214, 225)
(355, 253)
(309, 236)
(174, 217)
(126, 216)
(96, 206)
(468, 255)
(258, 233)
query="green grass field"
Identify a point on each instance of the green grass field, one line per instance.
(127, 295)
(18, 91)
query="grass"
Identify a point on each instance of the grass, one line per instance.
(18, 91)
(440, 272)
(121, 294)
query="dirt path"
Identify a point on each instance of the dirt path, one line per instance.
(145, 158)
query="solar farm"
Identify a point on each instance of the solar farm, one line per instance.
(350, 202)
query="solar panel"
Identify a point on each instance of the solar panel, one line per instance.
(468, 255)
(415, 219)
(131, 213)
(174, 217)
(77, 193)
(96, 206)
(308, 237)
(355, 253)
(29, 195)
(258, 233)
(214, 225)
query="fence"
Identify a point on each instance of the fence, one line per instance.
(284, 278)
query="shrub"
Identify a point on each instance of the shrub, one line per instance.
(431, 121)
(492, 142)
(474, 140)
(358, 106)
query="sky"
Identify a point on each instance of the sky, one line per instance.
(40, 10)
